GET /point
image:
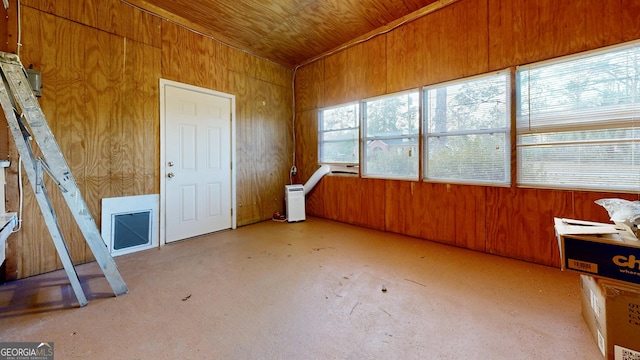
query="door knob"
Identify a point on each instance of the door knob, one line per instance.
(170, 175)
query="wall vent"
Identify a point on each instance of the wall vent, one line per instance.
(130, 223)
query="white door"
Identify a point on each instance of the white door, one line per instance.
(196, 162)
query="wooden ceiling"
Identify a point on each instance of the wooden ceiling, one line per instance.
(288, 32)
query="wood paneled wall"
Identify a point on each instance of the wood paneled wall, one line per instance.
(101, 61)
(466, 38)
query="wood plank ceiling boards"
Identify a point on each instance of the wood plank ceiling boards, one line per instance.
(289, 32)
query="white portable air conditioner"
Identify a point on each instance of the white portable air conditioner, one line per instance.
(294, 201)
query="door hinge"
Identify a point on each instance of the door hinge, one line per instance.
(231, 165)
(231, 211)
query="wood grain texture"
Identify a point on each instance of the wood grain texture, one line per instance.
(355, 201)
(309, 86)
(584, 206)
(285, 32)
(523, 31)
(467, 38)
(451, 214)
(100, 98)
(406, 56)
(520, 223)
(306, 145)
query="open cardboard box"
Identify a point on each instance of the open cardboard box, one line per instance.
(598, 249)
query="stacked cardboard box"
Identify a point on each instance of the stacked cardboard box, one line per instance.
(611, 310)
(609, 261)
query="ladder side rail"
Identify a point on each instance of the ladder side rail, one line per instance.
(26, 153)
(60, 171)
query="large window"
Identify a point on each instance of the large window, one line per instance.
(390, 136)
(467, 130)
(338, 135)
(577, 124)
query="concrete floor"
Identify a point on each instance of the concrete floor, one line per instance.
(309, 290)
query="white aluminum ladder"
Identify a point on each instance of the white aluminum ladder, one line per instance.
(32, 124)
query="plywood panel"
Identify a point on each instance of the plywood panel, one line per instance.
(309, 86)
(272, 155)
(151, 120)
(32, 248)
(306, 129)
(354, 200)
(101, 99)
(523, 31)
(585, 208)
(247, 207)
(406, 60)
(368, 72)
(69, 125)
(630, 24)
(337, 82)
(216, 65)
(520, 223)
(315, 200)
(94, 129)
(264, 145)
(84, 12)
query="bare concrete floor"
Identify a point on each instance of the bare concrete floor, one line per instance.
(309, 290)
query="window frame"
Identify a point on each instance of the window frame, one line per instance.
(507, 131)
(345, 166)
(364, 138)
(604, 117)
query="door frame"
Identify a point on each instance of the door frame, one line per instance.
(163, 120)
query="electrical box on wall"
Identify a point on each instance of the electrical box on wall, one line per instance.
(35, 80)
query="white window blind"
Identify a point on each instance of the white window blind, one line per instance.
(466, 132)
(577, 122)
(391, 131)
(339, 135)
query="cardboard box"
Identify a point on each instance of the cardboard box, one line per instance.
(612, 312)
(598, 249)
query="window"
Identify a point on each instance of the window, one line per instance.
(577, 123)
(338, 135)
(390, 136)
(467, 130)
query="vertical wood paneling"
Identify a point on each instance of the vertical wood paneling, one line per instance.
(263, 134)
(520, 223)
(32, 249)
(354, 200)
(309, 86)
(69, 125)
(368, 72)
(151, 120)
(630, 24)
(464, 39)
(306, 144)
(101, 75)
(336, 78)
(94, 129)
(406, 60)
(315, 200)
(84, 12)
(523, 31)
(584, 206)
(247, 206)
